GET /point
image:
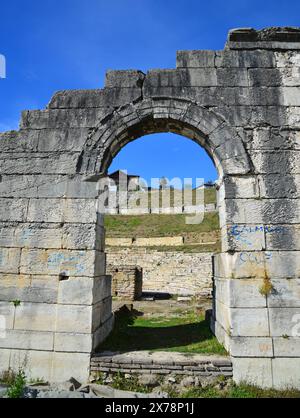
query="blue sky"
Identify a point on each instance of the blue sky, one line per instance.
(68, 44)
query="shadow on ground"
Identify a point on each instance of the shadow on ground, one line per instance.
(133, 332)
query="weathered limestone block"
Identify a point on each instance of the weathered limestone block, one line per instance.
(45, 210)
(26, 288)
(266, 138)
(4, 359)
(283, 162)
(272, 264)
(251, 347)
(9, 260)
(85, 99)
(35, 317)
(61, 118)
(28, 340)
(36, 364)
(270, 211)
(80, 210)
(239, 187)
(195, 59)
(38, 236)
(19, 141)
(63, 139)
(66, 262)
(285, 293)
(119, 242)
(251, 322)
(287, 347)
(286, 59)
(73, 342)
(243, 237)
(221, 334)
(240, 293)
(222, 316)
(36, 163)
(245, 58)
(124, 78)
(83, 290)
(74, 318)
(64, 362)
(102, 332)
(83, 236)
(264, 77)
(13, 210)
(62, 210)
(50, 366)
(48, 186)
(157, 241)
(279, 186)
(284, 321)
(101, 312)
(256, 371)
(7, 311)
(285, 372)
(102, 288)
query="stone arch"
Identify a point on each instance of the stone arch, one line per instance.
(154, 115)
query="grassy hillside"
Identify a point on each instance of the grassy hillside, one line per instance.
(119, 226)
(158, 225)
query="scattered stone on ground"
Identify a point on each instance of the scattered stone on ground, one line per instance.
(73, 389)
(187, 381)
(3, 390)
(149, 380)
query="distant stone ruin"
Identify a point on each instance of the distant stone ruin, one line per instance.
(242, 105)
(127, 281)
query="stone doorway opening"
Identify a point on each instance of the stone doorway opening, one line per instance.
(157, 259)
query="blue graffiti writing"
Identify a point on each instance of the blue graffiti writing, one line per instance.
(258, 258)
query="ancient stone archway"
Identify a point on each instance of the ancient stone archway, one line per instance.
(176, 115)
(242, 105)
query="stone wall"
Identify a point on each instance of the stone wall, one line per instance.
(55, 295)
(127, 281)
(161, 363)
(208, 208)
(173, 272)
(144, 242)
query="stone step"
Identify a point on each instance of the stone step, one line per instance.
(162, 363)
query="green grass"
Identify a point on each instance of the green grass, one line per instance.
(231, 389)
(201, 248)
(16, 383)
(157, 225)
(239, 391)
(186, 332)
